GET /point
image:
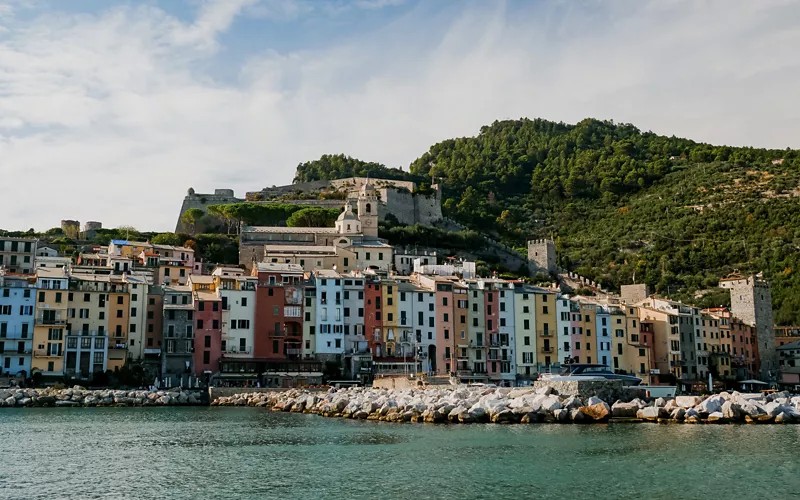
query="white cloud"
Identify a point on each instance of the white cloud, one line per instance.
(113, 116)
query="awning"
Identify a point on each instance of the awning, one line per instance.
(293, 374)
(234, 376)
(753, 382)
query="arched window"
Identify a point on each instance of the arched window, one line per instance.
(369, 208)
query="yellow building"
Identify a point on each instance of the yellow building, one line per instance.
(50, 322)
(118, 324)
(666, 352)
(546, 326)
(391, 317)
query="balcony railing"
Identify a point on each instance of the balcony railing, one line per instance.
(16, 350)
(15, 336)
(477, 344)
(239, 350)
(545, 333)
(44, 353)
(293, 352)
(547, 350)
(58, 320)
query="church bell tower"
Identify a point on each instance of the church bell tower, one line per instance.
(368, 210)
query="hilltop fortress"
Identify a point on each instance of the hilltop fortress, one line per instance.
(399, 198)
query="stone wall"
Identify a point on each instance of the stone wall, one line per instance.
(607, 390)
(202, 201)
(395, 383)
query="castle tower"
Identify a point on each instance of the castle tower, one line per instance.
(368, 210)
(542, 256)
(751, 302)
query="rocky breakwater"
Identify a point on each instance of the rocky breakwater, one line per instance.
(434, 405)
(78, 396)
(523, 405)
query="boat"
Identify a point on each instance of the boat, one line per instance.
(586, 371)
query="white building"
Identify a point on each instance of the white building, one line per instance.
(506, 337)
(238, 295)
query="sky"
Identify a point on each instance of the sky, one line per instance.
(111, 110)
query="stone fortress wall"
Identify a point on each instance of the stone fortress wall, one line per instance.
(397, 198)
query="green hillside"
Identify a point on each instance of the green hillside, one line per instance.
(672, 213)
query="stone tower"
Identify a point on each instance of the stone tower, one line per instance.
(751, 302)
(542, 256)
(368, 210)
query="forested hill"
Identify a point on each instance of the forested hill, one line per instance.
(622, 203)
(340, 166)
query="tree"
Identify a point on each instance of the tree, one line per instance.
(191, 217)
(168, 239)
(313, 217)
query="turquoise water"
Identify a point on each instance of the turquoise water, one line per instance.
(244, 453)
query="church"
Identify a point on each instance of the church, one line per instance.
(351, 245)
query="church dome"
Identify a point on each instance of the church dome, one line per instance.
(347, 214)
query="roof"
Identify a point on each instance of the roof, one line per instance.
(299, 249)
(289, 230)
(275, 267)
(207, 296)
(790, 345)
(201, 279)
(327, 273)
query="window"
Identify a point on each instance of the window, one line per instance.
(201, 306)
(526, 340)
(215, 324)
(544, 308)
(526, 324)
(206, 354)
(119, 313)
(199, 324)
(133, 312)
(207, 341)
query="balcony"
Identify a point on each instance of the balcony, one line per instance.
(50, 320)
(545, 333)
(293, 352)
(44, 353)
(239, 350)
(476, 344)
(547, 350)
(292, 312)
(15, 336)
(87, 333)
(8, 350)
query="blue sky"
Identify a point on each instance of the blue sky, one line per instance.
(111, 110)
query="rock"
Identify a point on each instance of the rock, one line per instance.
(597, 412)
(465, 418)
(545, 390)
(24, 402)
(479, 414)
(731, 411)
(671, 405)
(561, 415)
(624, 410)
(651, 413)
(717, 418)
(503, 417)
(688, 401)
(572, 403)
(530, 418)
(660, 402)
(577, 416)
(712, 404)
(11, 401)
(361, 415)
(783, 418)
(593, 401)
(517, 393)
(773, 409)
(677, 414)
(67, 403)
(453, 416)
(550, 404)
